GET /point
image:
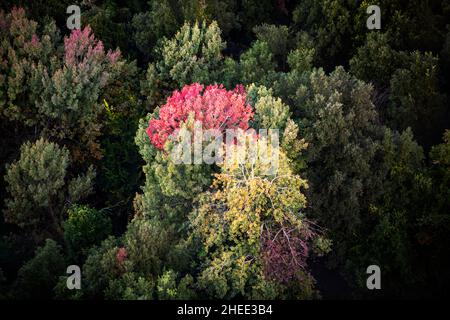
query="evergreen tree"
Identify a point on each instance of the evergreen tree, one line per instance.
(38, 276)
(40, 188)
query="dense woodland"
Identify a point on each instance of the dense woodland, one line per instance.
(364, 175)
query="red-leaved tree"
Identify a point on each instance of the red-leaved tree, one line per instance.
(286, 250)
(81, 48)
(214, 106)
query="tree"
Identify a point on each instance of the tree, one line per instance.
(168, 184)
(168, 288)
(340, 124)
(83, 229)
(51, 90)
(68, 97)
(277, 38)
(300, 61)
(151, 26)
(38, 276)
(165, 182)
(389, 233)
(213, 106)
(270, 112)
(130, 267)
(147, 244)
(411, 25)
(252, 13)
(330, 25)
(256, 65)
(21, 49)
(376, 61)
(408, 87)
(436, 222)
(164, 18)
(193, 55)
(40, 188)
(253, 233)
(130, 286)
(119, 169)
(416, 101)
(99, 270)
(111, 24)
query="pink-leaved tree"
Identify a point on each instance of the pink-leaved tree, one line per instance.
(214, 106)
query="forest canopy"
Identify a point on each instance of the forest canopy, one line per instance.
(90, 117)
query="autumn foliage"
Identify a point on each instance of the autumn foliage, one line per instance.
(214, 106)
(81, 47)
(98, 142)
